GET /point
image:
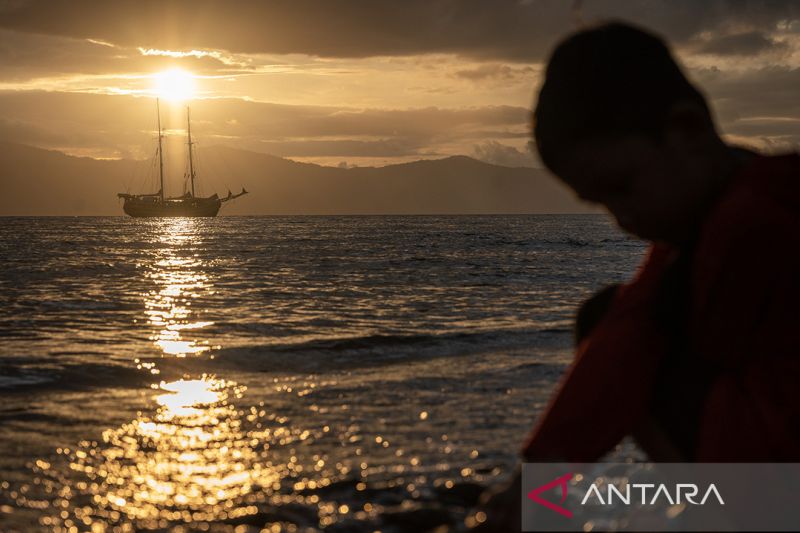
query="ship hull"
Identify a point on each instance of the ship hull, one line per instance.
(183, 207)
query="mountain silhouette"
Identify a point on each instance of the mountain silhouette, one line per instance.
(46, 182)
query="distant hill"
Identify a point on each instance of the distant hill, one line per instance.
(44, 182)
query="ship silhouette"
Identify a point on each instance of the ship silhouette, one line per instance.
(187, 205)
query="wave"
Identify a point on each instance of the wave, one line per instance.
(623, 241)
(23, 374)
(88, 305)
(319, 355)
(507, 337)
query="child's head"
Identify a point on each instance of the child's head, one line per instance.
(618, 121)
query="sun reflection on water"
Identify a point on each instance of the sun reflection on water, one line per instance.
(195, 459)
(179, 280)
(168, 306)
(192, 458)
(191, 455)
(184, 395)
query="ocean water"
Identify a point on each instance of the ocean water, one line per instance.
(312, 373)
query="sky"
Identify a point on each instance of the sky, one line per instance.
(369, 82)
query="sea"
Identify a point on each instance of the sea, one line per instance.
(287, 373)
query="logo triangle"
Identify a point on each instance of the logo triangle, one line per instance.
(562, 481)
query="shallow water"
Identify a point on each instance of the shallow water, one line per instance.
(337, 373)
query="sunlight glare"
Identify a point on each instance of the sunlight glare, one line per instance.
(174, 84)
(183, 395)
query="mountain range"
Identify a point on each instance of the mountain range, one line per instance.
(47, 182)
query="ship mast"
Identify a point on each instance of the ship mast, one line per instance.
(160, 152)
(191, 163)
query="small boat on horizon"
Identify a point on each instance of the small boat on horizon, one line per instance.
(188, 204)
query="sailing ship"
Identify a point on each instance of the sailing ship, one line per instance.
(187, 205)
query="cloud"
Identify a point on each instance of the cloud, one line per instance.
(90, 123)
(27, 56)
(502, 154)
(760, 105)
(741, 44)
(499, 72)
(507, 29)
(364, 79)
(345, 147)
(769, 91)
(26, 133)
(756, 107)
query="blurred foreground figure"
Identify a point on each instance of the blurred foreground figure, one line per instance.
(696, 357)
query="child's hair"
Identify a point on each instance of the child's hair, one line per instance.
(607, 80)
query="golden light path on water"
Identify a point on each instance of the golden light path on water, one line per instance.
(197, 458)
(190, 461)
(178, 280)
(202, 456)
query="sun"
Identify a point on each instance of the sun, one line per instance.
(174, 84)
